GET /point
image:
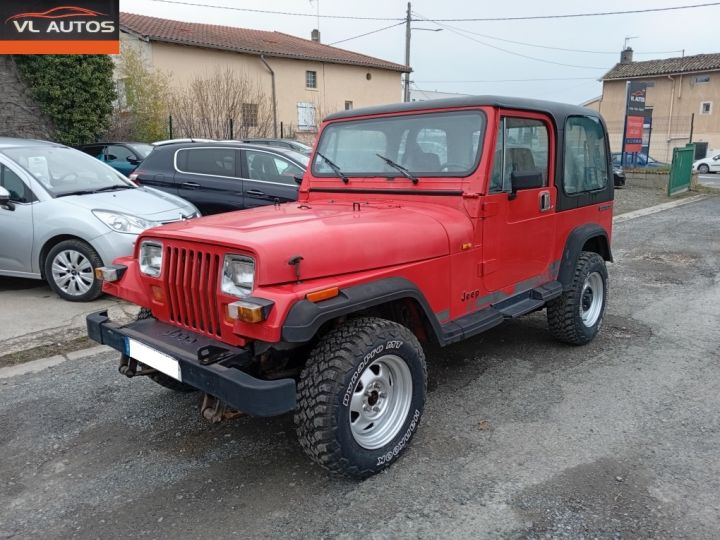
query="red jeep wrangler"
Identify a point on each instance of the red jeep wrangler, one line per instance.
(416, 222)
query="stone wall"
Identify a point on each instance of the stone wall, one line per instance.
(20, 116)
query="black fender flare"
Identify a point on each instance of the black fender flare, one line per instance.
(305, 318)
(573, 246)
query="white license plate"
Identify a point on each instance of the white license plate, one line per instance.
(155, 359)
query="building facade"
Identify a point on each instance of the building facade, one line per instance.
(682, 100)
(309, 79)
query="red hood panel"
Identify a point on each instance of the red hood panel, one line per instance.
(332, 238)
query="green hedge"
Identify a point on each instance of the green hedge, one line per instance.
(76, 92)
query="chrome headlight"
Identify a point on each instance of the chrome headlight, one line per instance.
(123, 223)
(151, 256)
(238, 275)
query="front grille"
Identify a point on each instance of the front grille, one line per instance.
(191, 278)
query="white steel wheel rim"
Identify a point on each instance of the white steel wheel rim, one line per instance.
(591, 299)
(380, 402)
(72, 272)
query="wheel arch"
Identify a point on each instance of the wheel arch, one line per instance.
(589, 237)
(51, 243)
(396, 299)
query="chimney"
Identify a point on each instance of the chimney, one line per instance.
(315, 35)
(626, 56)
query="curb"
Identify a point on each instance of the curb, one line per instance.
(34, 366)
(657, 208)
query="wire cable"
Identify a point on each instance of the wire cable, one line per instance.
(367, 33)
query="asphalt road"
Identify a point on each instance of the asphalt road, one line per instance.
(522, 437)
(710, 180)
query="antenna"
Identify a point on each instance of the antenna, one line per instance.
(628, 38)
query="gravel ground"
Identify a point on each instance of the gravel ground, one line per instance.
(522, 437)
(632, 198)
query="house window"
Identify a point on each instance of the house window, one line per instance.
(250, 114)
(306, 117)
(702, 79)
(706, 107)
(348, 105)
(311, 79)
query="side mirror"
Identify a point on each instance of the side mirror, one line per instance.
(133, 160)
(5, 199)
(525, 180)
(298, 179)
(110, 157)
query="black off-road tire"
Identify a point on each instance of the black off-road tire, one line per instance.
(89, 254)
(161, 378)
(564, 313)
(332, 376)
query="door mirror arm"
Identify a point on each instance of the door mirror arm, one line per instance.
(524, 180)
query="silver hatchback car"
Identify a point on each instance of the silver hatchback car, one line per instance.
(64, 213)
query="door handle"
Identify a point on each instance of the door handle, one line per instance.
(545, 201)
(190, 185)
(255, 193)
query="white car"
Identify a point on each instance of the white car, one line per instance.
(708, 164)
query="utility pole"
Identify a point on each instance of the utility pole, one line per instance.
(408, 21)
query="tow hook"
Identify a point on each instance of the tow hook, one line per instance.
(128, 366)
(216, 411)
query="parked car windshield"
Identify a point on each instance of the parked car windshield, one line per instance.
(142, 150)
(64, 171)
(431, 144)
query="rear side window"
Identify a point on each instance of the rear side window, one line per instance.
(586, 164)
(214, 161)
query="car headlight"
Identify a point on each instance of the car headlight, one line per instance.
(238, 275)
(123, 223)
(151, 256)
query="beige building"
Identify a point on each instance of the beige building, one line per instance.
(309, 79)
(682, 100)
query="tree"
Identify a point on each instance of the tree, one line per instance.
(141, 113)
(206, 107)
(76, 92)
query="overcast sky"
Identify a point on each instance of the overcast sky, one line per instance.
(448, 62)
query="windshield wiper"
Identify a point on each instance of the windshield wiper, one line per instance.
(335, 168)
(110, 188)
(399, 167)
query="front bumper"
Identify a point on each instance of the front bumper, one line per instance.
(204, 363)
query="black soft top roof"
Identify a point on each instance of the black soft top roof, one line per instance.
(558, 110)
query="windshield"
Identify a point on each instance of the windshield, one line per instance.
(64, 171)
(431, 144)
(141, 149)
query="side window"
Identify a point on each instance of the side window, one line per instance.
(522, 146)
(269, 168)
(19, 192)
(118, 153)
(94, 151)
(586, 166)
(213, 161)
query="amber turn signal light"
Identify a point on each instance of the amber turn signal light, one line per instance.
(323, 294)
(246, 312)
(110, 273)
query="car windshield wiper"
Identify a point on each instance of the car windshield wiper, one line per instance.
(111, 188)
(335, 168)
(399, 167)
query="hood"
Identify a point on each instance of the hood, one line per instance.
(149, 204)
(332, 238)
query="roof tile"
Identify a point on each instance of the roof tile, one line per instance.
(247, 41)
(667, 66)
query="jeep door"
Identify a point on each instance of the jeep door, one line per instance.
(209, 177)
(16, 224)
(268, 178)
(519, 225)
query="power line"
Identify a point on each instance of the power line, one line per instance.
(368, 33)
(512, 80)
(466, 19)
(573, 15)
(549, 46)
(459, 33)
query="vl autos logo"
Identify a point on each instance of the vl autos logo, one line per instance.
(59, 27)
(62, 19)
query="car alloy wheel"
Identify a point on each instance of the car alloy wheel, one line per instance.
(72, 272)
